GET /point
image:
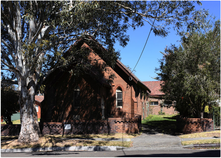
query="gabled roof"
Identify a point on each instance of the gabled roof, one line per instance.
(119, 64)
(132, 76)
(155, 87)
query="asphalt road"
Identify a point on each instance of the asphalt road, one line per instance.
(121, 153)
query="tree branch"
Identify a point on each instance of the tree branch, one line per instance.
(11, 67)
(9, 81)
(37, 33)
(6, 44)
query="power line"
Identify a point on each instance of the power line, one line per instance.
(144, 45)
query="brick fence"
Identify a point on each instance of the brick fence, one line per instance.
(193, 125)
(111, 125)
(10, 130)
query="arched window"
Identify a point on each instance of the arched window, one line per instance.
(76, 97)
(119, 98)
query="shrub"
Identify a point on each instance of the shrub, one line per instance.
(161, 113)
(216, 113)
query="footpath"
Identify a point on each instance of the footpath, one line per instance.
(161, 141)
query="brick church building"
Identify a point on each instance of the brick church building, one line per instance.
(103, 94)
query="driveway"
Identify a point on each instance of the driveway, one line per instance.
(152, 140)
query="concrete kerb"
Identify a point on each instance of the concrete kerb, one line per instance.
(71, 148)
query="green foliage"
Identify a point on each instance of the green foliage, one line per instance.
(9, 103)
(47, 29)
(192, 71)
(161, 113)
(216, 114)
(147, 118)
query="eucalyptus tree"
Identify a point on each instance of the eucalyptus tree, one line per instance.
(35, 35)
(192, 71)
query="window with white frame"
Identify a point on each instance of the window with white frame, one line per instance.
(119, 97)
(76, 97)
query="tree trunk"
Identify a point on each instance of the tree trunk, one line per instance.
(29, 121)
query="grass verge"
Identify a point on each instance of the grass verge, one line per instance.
(65, 143)
(202, 134)
(67, 140)
(206, 141)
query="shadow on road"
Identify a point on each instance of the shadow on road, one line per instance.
(208, 153)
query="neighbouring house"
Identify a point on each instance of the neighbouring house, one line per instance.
(103, 95)
(37, 104)
(156, 99)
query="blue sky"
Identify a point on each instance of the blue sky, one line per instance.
(145, 70)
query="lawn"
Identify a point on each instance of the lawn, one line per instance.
(161, 123)
(58, 142)
(202, 134)
(206, 141)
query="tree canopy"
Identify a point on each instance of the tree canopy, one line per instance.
(35, 35)
(192, 71)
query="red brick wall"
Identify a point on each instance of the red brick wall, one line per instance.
(194, 125)
(155, 109)
(127, 89)
(112, 125)
(168, 111)
(121, 125)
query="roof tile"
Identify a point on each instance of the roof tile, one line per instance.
(39, 98)
(154, 86)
